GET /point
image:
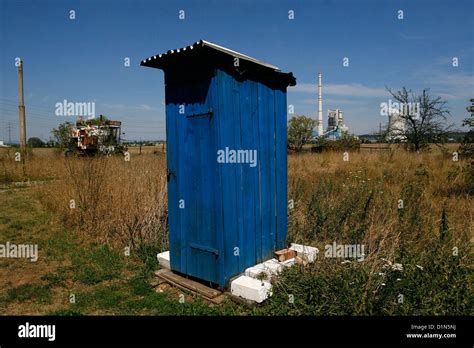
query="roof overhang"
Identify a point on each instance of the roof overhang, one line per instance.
(201, 50)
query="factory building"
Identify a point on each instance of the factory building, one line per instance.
(396, 127)
(336, 126)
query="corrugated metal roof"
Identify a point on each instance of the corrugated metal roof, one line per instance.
(155, 61)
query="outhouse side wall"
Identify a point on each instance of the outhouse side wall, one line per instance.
(252, 116)
(238, 210)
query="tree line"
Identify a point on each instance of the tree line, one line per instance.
(415, 130)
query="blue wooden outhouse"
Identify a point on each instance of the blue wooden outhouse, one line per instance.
(226, 155)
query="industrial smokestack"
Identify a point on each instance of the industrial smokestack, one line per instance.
(320, 104)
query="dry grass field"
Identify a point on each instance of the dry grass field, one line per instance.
(405, 208)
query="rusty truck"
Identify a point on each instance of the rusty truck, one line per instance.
(95, 136)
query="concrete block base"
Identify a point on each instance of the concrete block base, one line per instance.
(288, 263)
(285, 254)
(307, 253)
(251, 289)
(255, 284)
(164, 259)
(264, 270)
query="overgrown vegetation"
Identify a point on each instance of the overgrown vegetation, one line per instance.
(466, 149)
(61, 136)
(300, 129)
(102, 279)
(120, 205)
(405, 209)
(117, 202)
(346, 143)
(422, 119)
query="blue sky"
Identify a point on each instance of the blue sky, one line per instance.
(82, 60)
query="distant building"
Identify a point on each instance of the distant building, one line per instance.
(396, 127)
(336, 126)
(2, 144)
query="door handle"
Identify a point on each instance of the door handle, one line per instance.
(205, 248)
(168, 174)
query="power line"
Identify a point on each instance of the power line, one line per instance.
(9, 127)
(10, 109)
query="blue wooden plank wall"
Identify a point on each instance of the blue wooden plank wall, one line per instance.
(252, 116)
(235, 215)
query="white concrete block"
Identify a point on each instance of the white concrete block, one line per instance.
(271, 261)
(269, 268)
(288, 263)
(251, 289)
(307, 253)
(273, 266)
(255, 271)
(164, 259)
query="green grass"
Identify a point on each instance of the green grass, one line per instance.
(96, 265)
(135, 296)
(22, 220)
(102, 278)
(57, 278)
(30, 292)
(140, 284)
(60, 244)
(64, 313)
(16, 226)
(355, 205)
(102, 297)
(434, 282)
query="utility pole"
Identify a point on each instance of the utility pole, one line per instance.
(21, 110)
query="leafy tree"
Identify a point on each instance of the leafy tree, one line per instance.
(35, 142)
(62, 134)
(300, 129)
(467, 146)
(426, 126)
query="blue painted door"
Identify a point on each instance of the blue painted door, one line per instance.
(194, 206)
(202, 249)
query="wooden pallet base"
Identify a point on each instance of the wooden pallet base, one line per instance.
(189, 285)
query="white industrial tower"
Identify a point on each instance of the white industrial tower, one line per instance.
(320, 104)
